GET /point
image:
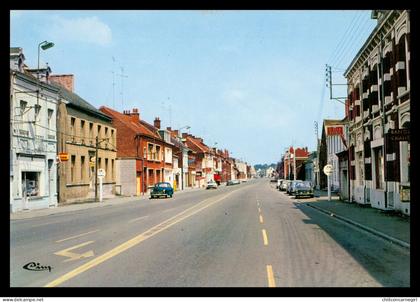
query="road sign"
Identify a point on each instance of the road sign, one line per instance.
(64, 156)
(328, 169)
(101, 173)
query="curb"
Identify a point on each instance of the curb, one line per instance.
(370, 230)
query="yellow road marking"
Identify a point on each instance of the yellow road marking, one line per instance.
(76, 236)
(259, 210)
(135, 219)
(134, 241)
(75, 256)
(261, 219)
(265, 237)
(270, 275)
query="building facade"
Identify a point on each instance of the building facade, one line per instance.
(33, 137)
(84, 134)
(378, 107)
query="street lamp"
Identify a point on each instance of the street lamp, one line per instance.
(44, 45)
(182, 156)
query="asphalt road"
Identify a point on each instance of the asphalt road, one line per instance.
(248, 235)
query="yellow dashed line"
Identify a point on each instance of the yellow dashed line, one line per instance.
(136, 240)
(270, 275)
(265, 237)
(261, 219)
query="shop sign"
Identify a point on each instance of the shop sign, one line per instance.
(63, 156)
(398, 135)
(338, 130)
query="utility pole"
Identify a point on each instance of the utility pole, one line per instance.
(294, 163)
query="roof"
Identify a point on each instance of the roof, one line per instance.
(196, 145)
(138, 127)
(78, 102)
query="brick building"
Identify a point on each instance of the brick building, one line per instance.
(378, 108)
(140, 141)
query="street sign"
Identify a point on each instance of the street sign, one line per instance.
(64, 156)
(328, 169)
(101, 173)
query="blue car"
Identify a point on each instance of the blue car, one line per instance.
(162, 189)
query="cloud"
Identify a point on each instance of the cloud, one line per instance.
(84, 29)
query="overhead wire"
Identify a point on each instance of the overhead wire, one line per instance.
(341, 44)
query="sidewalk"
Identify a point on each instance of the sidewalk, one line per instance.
(86, 204)
(390, 226)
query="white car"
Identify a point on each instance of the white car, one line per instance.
(211, 185)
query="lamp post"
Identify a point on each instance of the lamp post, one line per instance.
(182, 154)
(44, 45)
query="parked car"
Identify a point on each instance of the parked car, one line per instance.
(233, 182)
(292, 186)
(284, 184)
(304, 189)
(162, 189)
(278, 183)
(211, 185)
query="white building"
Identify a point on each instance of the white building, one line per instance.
(33, 150)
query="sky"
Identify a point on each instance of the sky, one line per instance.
(251, 82)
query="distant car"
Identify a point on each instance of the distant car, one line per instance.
(292, 187)
(232, 182)
(304, 189)
(162, 189)
(211, 185)
(244, 180)
(279, 182)
(284, 184)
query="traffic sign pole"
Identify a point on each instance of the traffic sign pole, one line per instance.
(329, 187)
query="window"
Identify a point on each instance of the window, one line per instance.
(112, 169)
(379, 166)
(99, 131)
(82, 169)
(73, 168)
(106, 168)
(91, 130)
(72, 126)
(157, 154)
(144, 152)
(360, 167)
(23, 105)
(82, 129)
(112, 138)
(37, 111)
(50, 114)
(30, 184)
(150, 152)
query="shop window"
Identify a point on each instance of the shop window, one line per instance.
(30, 184)
(379, 168)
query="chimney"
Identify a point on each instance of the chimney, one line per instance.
(64, 80)
(184, 135)
(169, 129)
(156, 123)
(176, 132)
(135, 115)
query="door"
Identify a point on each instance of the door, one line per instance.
(138, 187)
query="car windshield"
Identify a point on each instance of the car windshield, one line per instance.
(303, 185)
(162, 185)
